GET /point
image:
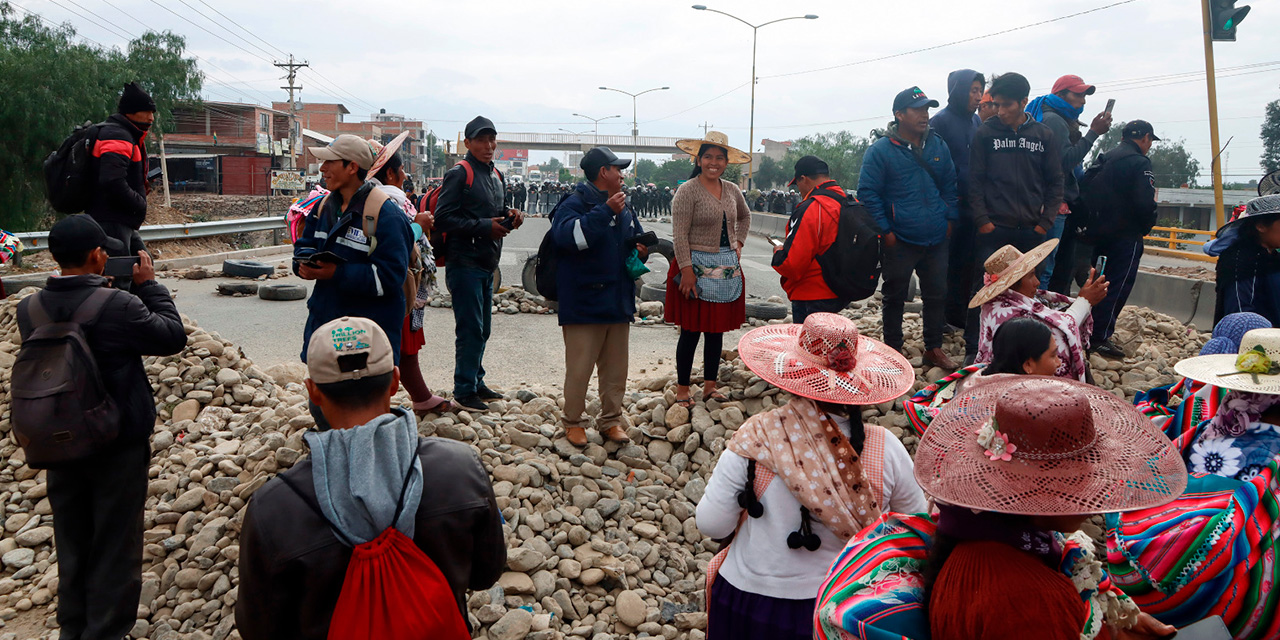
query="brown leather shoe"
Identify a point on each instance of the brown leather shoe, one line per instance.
(617, 434)
(940, 359)
(577, 436)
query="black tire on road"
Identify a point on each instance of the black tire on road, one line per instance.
(653, 293)
(665, 248)
(232, 288)
(529, 275)
(766, 310)
(282, 291)
(246, 268)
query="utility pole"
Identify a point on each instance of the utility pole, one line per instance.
(1218, 215)
(706, 126)
(292, 68)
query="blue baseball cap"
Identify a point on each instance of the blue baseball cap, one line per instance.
(912, 98)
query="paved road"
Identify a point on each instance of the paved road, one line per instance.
(524, 348)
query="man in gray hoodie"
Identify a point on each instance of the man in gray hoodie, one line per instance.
(292, 556)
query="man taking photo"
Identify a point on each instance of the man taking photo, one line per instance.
(98, 501)
(594, 233)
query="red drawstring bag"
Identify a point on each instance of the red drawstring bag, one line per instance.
(392, 590)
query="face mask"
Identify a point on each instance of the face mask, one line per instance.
(142, 126)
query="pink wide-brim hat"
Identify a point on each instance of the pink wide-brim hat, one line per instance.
(1065, 448)
(827, 359)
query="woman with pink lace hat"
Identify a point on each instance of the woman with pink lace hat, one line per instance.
(795, 483)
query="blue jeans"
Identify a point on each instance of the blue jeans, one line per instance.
(1046, 267)
(800, 309)
(472, 292)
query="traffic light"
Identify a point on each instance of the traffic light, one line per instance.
(1224, 15)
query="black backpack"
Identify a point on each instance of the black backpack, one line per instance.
(548, 264)
(851, 265)
(1092, 199)
(68, 178)
(61, 409)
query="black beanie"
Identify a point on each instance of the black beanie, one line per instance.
(134, 99)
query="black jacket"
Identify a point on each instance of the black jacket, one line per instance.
(121, 162)
(466, 216)
(1015, 176)
(1073, 153)
(292, 566)
(132, 325)
(1122, 198)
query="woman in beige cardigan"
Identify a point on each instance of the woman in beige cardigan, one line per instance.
(706, 293)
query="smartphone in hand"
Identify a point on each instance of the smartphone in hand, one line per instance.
(1102, 264)
(1111, 103)
(121, 267)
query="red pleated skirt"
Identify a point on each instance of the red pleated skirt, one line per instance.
(411, 341)
(700, 315)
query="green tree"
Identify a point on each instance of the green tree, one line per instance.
(770, 174)
(552, 167)
(52, 82)
(671, 172)
(733, 173)
(1171, 163)
(1271, 137)
(565, 175)
(645, 170)
(841, 150)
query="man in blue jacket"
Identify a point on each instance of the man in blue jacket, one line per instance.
(957, 123)
(908, 183)
(354, 275)
(593, 231)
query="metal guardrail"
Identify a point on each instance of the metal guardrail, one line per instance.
(1170, 236)
(38, 240)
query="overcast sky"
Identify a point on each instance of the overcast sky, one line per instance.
(530, 65)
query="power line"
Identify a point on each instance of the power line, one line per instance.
(242, 28)
(224, 28)
(951, 44)
(115, 29)
(701, 104)
(57, 25)
(202, 28)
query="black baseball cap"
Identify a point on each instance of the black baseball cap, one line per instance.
(80, 233)
(912, 98)
(478, 126)
(1135, 129)
(599, 157)
(810, 166)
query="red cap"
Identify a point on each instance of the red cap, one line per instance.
(1073, 84)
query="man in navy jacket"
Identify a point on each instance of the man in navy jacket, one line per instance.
(908, 184)
(957, 123)
(593, 231)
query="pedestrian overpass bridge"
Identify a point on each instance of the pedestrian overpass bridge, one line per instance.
(582, 142)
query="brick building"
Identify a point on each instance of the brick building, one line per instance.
(326, 119)
(226, 147)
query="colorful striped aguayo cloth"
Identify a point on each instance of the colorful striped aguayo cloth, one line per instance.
(1209, 552)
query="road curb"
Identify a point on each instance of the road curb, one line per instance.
(16, 283)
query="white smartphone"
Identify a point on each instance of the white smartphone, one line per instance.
(1111, 103)
(774, 241)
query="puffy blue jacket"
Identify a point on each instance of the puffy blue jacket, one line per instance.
(902, 196)
(367, 284)
(592, 274)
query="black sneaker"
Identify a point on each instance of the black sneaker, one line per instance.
(1108, 350)
(485, 393)
(473, 403)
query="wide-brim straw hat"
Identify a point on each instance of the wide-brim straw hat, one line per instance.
(1007, 266)
(385, 153)
(1039, 445)
(827, 359)
(691, 146)
(1246, 370)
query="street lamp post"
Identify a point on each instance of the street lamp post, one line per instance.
(755, 29)
(595, 137)
(635, 128)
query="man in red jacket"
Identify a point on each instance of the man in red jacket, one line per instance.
(810, 232)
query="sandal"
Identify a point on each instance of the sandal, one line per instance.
(715, 395)
(434, 404)
(687, 402)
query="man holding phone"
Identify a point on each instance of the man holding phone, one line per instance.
(474, 220)
(1060, 110)
(595, 234)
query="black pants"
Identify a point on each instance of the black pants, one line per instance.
(1123, 257)
(97, 526)
(930, 264)
(710, 356)
(801, 309)
(986, 244)
(959, 269)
